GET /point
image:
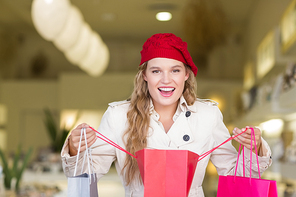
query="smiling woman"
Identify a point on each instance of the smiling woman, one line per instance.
(162, 113)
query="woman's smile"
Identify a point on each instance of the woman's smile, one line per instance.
(166, 91)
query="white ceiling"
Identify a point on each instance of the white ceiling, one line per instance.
(124, 18)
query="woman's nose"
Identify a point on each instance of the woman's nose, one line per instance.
(166, 78)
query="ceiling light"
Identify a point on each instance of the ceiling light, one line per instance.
(48, 1)
(163, 16)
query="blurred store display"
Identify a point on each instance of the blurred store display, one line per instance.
(290, 154)
(290, 190)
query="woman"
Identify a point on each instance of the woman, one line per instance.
(163, 113)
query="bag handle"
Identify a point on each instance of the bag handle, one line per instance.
(252, 136)
(78, 151)
(104, 138)
(87, 155)
(210, 151)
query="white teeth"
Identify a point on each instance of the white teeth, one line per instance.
(166, 89)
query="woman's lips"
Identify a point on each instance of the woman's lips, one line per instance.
(166, 92)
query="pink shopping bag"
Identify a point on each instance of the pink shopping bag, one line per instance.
(243, 187)
(166, 173)
(233, 186)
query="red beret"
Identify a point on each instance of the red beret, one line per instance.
(167, 45)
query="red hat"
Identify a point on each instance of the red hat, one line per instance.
(167, 45)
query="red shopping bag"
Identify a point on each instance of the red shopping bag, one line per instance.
(233, 186)
(166, 173)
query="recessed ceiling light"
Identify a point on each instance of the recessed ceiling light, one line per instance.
(163, 16)
(48, 1)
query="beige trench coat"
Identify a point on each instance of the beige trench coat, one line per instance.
(205, 129)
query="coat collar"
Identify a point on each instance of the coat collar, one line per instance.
(185, 107)
(182, 106)
(180, 133)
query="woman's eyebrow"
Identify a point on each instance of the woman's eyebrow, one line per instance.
(154, 67)
(177, 66)
(157, 67)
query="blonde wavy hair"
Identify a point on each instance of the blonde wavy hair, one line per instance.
(138, 117)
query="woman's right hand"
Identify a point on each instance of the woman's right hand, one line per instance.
(74, 139)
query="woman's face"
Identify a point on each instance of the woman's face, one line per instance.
(165, 78)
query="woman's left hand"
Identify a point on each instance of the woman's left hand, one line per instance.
(245, 138)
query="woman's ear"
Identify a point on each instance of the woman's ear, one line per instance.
(144, 75)
(186, 76)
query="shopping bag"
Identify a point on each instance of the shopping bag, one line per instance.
(82, 186)
(233, 186)
(85, 184)
(166, 173)
(243, 187)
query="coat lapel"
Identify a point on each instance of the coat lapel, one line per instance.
(180, 132)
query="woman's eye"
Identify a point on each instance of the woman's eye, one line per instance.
(176, 71)
(155, 71)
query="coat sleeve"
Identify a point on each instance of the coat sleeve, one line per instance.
(102, 153)
(224, 158)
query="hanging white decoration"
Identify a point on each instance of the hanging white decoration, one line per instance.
(101, 63)
(76, 53)
(49, 17)
(92, 51)
(62, 23)
(69, 35)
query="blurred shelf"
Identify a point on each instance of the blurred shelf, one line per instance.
(284, 106)
(288, 29)
(270, 60)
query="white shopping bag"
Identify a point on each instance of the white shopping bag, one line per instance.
(84, 185)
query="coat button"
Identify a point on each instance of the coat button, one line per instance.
(188, 113)
(186, 138)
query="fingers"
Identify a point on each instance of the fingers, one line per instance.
(243, 139)
(74, 138)
(77, 130)
(90, 141)
(246, 138)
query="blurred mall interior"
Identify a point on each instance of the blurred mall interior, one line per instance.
(63, 61)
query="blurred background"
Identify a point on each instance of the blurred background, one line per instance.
(63, 61)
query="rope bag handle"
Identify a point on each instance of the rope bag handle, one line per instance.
(87, 155)
(252, 136)
(104, 138)
(210, 151)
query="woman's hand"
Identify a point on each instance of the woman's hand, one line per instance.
(75, 138)
(245, 138)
